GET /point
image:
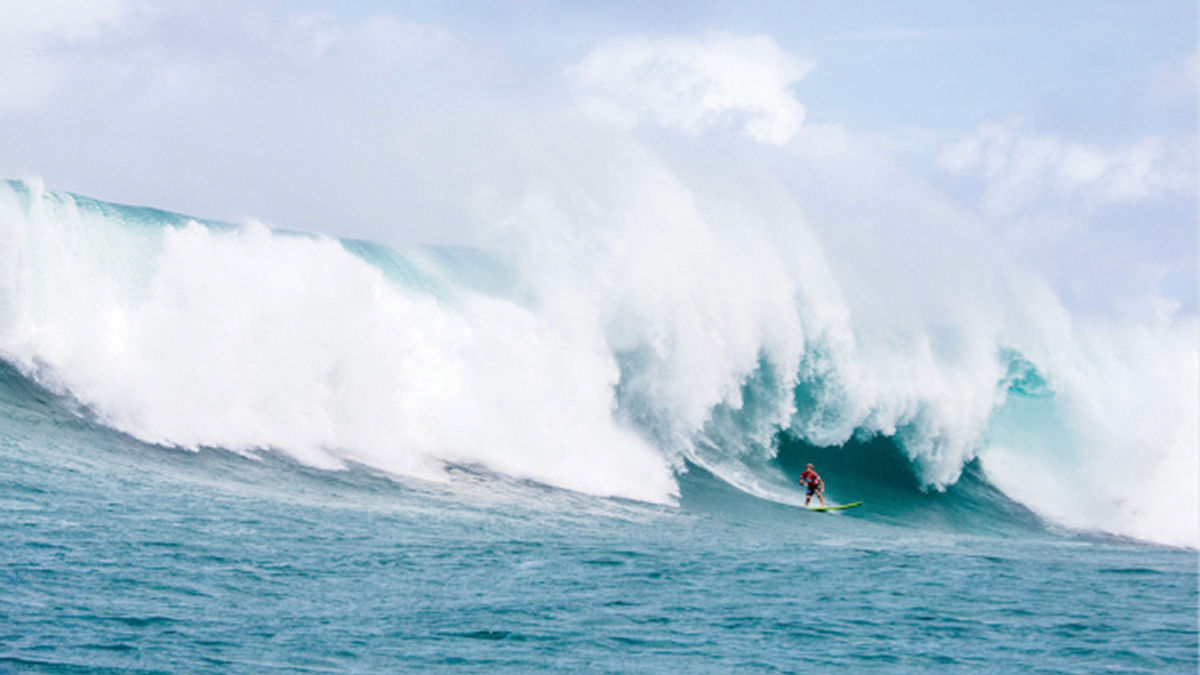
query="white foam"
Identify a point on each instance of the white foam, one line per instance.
(248, 339)
(1118, 453)
(690, 270)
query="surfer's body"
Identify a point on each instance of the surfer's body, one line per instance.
(815, 485)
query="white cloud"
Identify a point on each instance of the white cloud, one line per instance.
(901, 34)
(25, 80)
(691, 84)
(1020, 168)
(58, 20)
(1178, 81)
(320, 35)
(28, 30)
(1112, 228)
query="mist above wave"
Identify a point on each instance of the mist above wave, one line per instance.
(666, 303)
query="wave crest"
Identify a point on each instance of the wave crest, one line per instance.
(599, 347)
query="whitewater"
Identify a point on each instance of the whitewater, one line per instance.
(586, 350)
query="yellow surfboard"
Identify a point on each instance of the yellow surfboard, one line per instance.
(837, 507)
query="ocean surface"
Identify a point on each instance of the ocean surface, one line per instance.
(230, 449)
(124, 557)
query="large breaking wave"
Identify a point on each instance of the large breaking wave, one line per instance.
(600, 340)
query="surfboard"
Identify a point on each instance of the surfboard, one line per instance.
(837, 507)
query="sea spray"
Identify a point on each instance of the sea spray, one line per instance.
(642, 329)
(248, 339)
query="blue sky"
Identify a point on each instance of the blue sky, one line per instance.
(1068, 128)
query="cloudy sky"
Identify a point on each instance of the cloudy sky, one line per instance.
(1069, 129)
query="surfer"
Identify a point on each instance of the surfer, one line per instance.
(814, 483)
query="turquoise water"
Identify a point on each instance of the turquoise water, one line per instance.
(120, 556)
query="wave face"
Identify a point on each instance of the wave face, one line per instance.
(603, 343)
